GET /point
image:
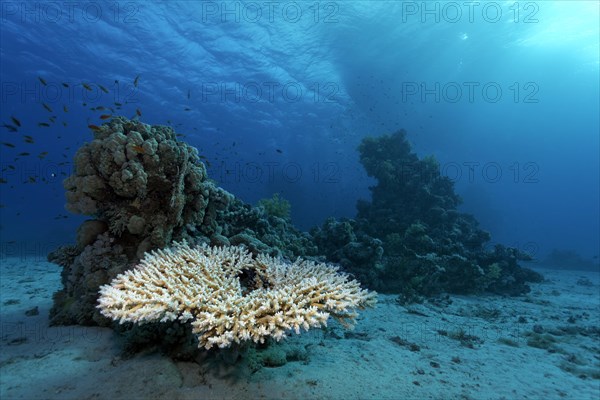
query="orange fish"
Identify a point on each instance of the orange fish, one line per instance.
(138, 112)
(95, 128)
(138, 149)
(105, 116)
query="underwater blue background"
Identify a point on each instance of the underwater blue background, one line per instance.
(278, 95)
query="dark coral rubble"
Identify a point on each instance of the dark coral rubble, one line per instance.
(143, 188)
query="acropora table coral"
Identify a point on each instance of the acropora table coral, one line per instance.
(230, 296)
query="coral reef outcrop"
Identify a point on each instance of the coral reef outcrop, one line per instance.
(410, 238)
(143, 189)
(140, 180)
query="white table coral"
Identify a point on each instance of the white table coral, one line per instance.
(230, 296)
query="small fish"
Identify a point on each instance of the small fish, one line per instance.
(31, 179)
(105, 116)
(118, 104)
(12, 146)
(65, 124)
(180, 135)
(187, 109)
(138, 149)
(52, 119)
(47, 107)
(65, 84)
(138, 112)
(100, 108)
(11, 167)
(105, 90)
(2, 180)
(16, 121)
(278, 150)
(136, 80)
(42, 80)
(28, 139)
(45, 124)
(86, 87)
(23, 154)
(189, 94)
(65, 109)
(10, 127)
(42, 155)
(84, 104)
(95, 128)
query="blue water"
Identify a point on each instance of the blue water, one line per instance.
(277, 97)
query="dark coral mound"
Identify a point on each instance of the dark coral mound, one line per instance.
(410, 238)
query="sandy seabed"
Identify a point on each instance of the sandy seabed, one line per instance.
(543, 345)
